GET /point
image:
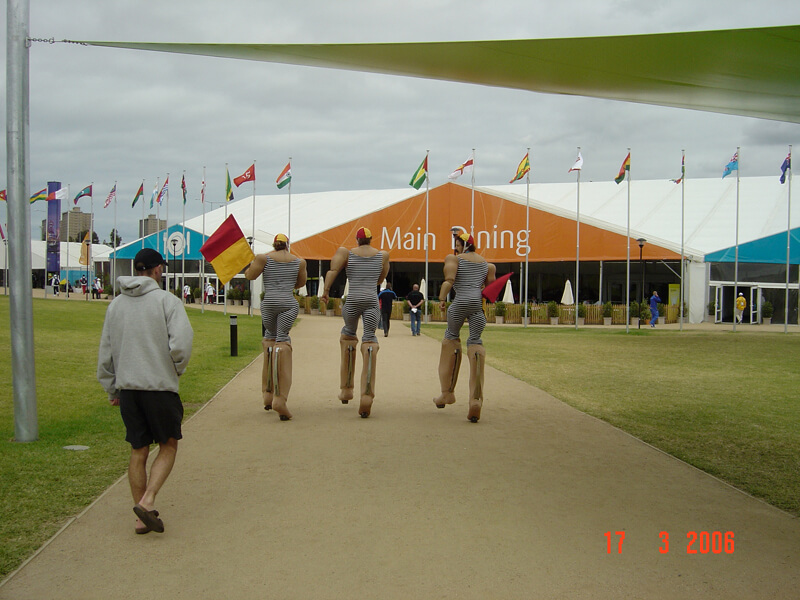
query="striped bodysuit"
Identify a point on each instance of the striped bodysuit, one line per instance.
(470, 277)
(362, 298)
(279, 308)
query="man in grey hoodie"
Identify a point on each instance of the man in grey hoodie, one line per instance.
(145, 346)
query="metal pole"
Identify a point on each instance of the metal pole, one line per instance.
(788, 245)
(683, 258)
(185, 245)
(472, 218)
(578, 244)
(641, 292)
(203, 258)
(427, 193)
(528, 237)
(736, 252)
(628, 261)
(114, 245)
(26, 428)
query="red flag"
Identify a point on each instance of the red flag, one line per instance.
(492, 291)
(249, 175)
(3, 196)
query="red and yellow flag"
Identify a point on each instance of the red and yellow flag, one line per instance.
(227, 250)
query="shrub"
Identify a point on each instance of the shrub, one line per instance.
(581, 311)
(406, 307)
(767, 310)
(315, 302)
(330, 304)
(635, 310)
(500, 309)
(711, 306)
(552, 309)
(608, 309)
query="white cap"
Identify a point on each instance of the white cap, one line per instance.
(741, 294)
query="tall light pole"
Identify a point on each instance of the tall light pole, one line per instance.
(641, 292)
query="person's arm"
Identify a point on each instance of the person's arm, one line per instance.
(490, 275)
(384, 266)
(256, 267)
(338, 262)
(106, 374)
(302, 275)
(450, 270)
(180, 334)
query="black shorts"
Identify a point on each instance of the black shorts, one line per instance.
(150, 416)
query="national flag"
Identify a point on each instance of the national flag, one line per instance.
(228, 187)
(625, 168)
(60, 194)
(40, 195)
(3, 196)
(248, 175)
(138, 195)
(578, 164)
(87, 191)
(787, 165)
(683, 172)
(420, 175)
(285, 178)
(112, 195)
(183, 187)
(523, 169)
(492, 291)
(733, 165)
(203, 190)
(84, 259)
(227, 250)
(462, 168)
(153, 196)
(164, 193)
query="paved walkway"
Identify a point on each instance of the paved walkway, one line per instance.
(416, 502)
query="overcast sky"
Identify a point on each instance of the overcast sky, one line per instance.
(103, 115)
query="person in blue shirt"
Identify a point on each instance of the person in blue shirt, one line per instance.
(385, 298)
(654, 302)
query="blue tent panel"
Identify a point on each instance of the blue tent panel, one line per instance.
(769, 250)
(161, 242)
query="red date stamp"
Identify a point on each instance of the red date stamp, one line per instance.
(697, 542)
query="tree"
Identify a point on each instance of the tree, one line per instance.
(116, 239)
(82, 234)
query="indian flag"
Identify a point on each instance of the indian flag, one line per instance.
(40, 195)
(523, 169)
(419, 176)
(227, 250)
(626, 167)
(285, 178)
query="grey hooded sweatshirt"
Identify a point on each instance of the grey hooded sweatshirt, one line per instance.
(146, 341)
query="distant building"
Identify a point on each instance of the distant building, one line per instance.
(71, 227)
(151, 225)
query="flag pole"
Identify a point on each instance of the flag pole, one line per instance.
(183, 221)
(114, 245)
(225, 290)
(736, 251)
(289, 226)
(69, 209)
(528, 233)
(427, 195)
(91, 240)
(578, 245)
(166, 233)
(472, 218)
(683, 222)
(203, 258)
(253, 247)
(788, 244)
(141, 225)
(628, 260)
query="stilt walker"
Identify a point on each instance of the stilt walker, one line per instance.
(467, 272)
(366, 268)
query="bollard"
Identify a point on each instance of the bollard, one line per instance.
(234, 337)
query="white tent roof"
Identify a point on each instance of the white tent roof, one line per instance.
(100, 253)
(710, 210)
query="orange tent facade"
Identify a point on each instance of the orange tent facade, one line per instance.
(499, 232)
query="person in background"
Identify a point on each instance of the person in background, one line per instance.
(187, 293)
(654, 302)
(282, 273)
(366, 268)
(741, 304)
(55, 283)
(385, 299)
(97, 288)
(145, 347)
(415, 301)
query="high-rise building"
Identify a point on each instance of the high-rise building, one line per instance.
(151, 225)
(76, 223)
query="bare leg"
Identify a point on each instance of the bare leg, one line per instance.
(348, 366)
(267, 384)
(159, 472)
(137, 475)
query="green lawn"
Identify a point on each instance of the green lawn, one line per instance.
(42, 485)
(724, 402)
